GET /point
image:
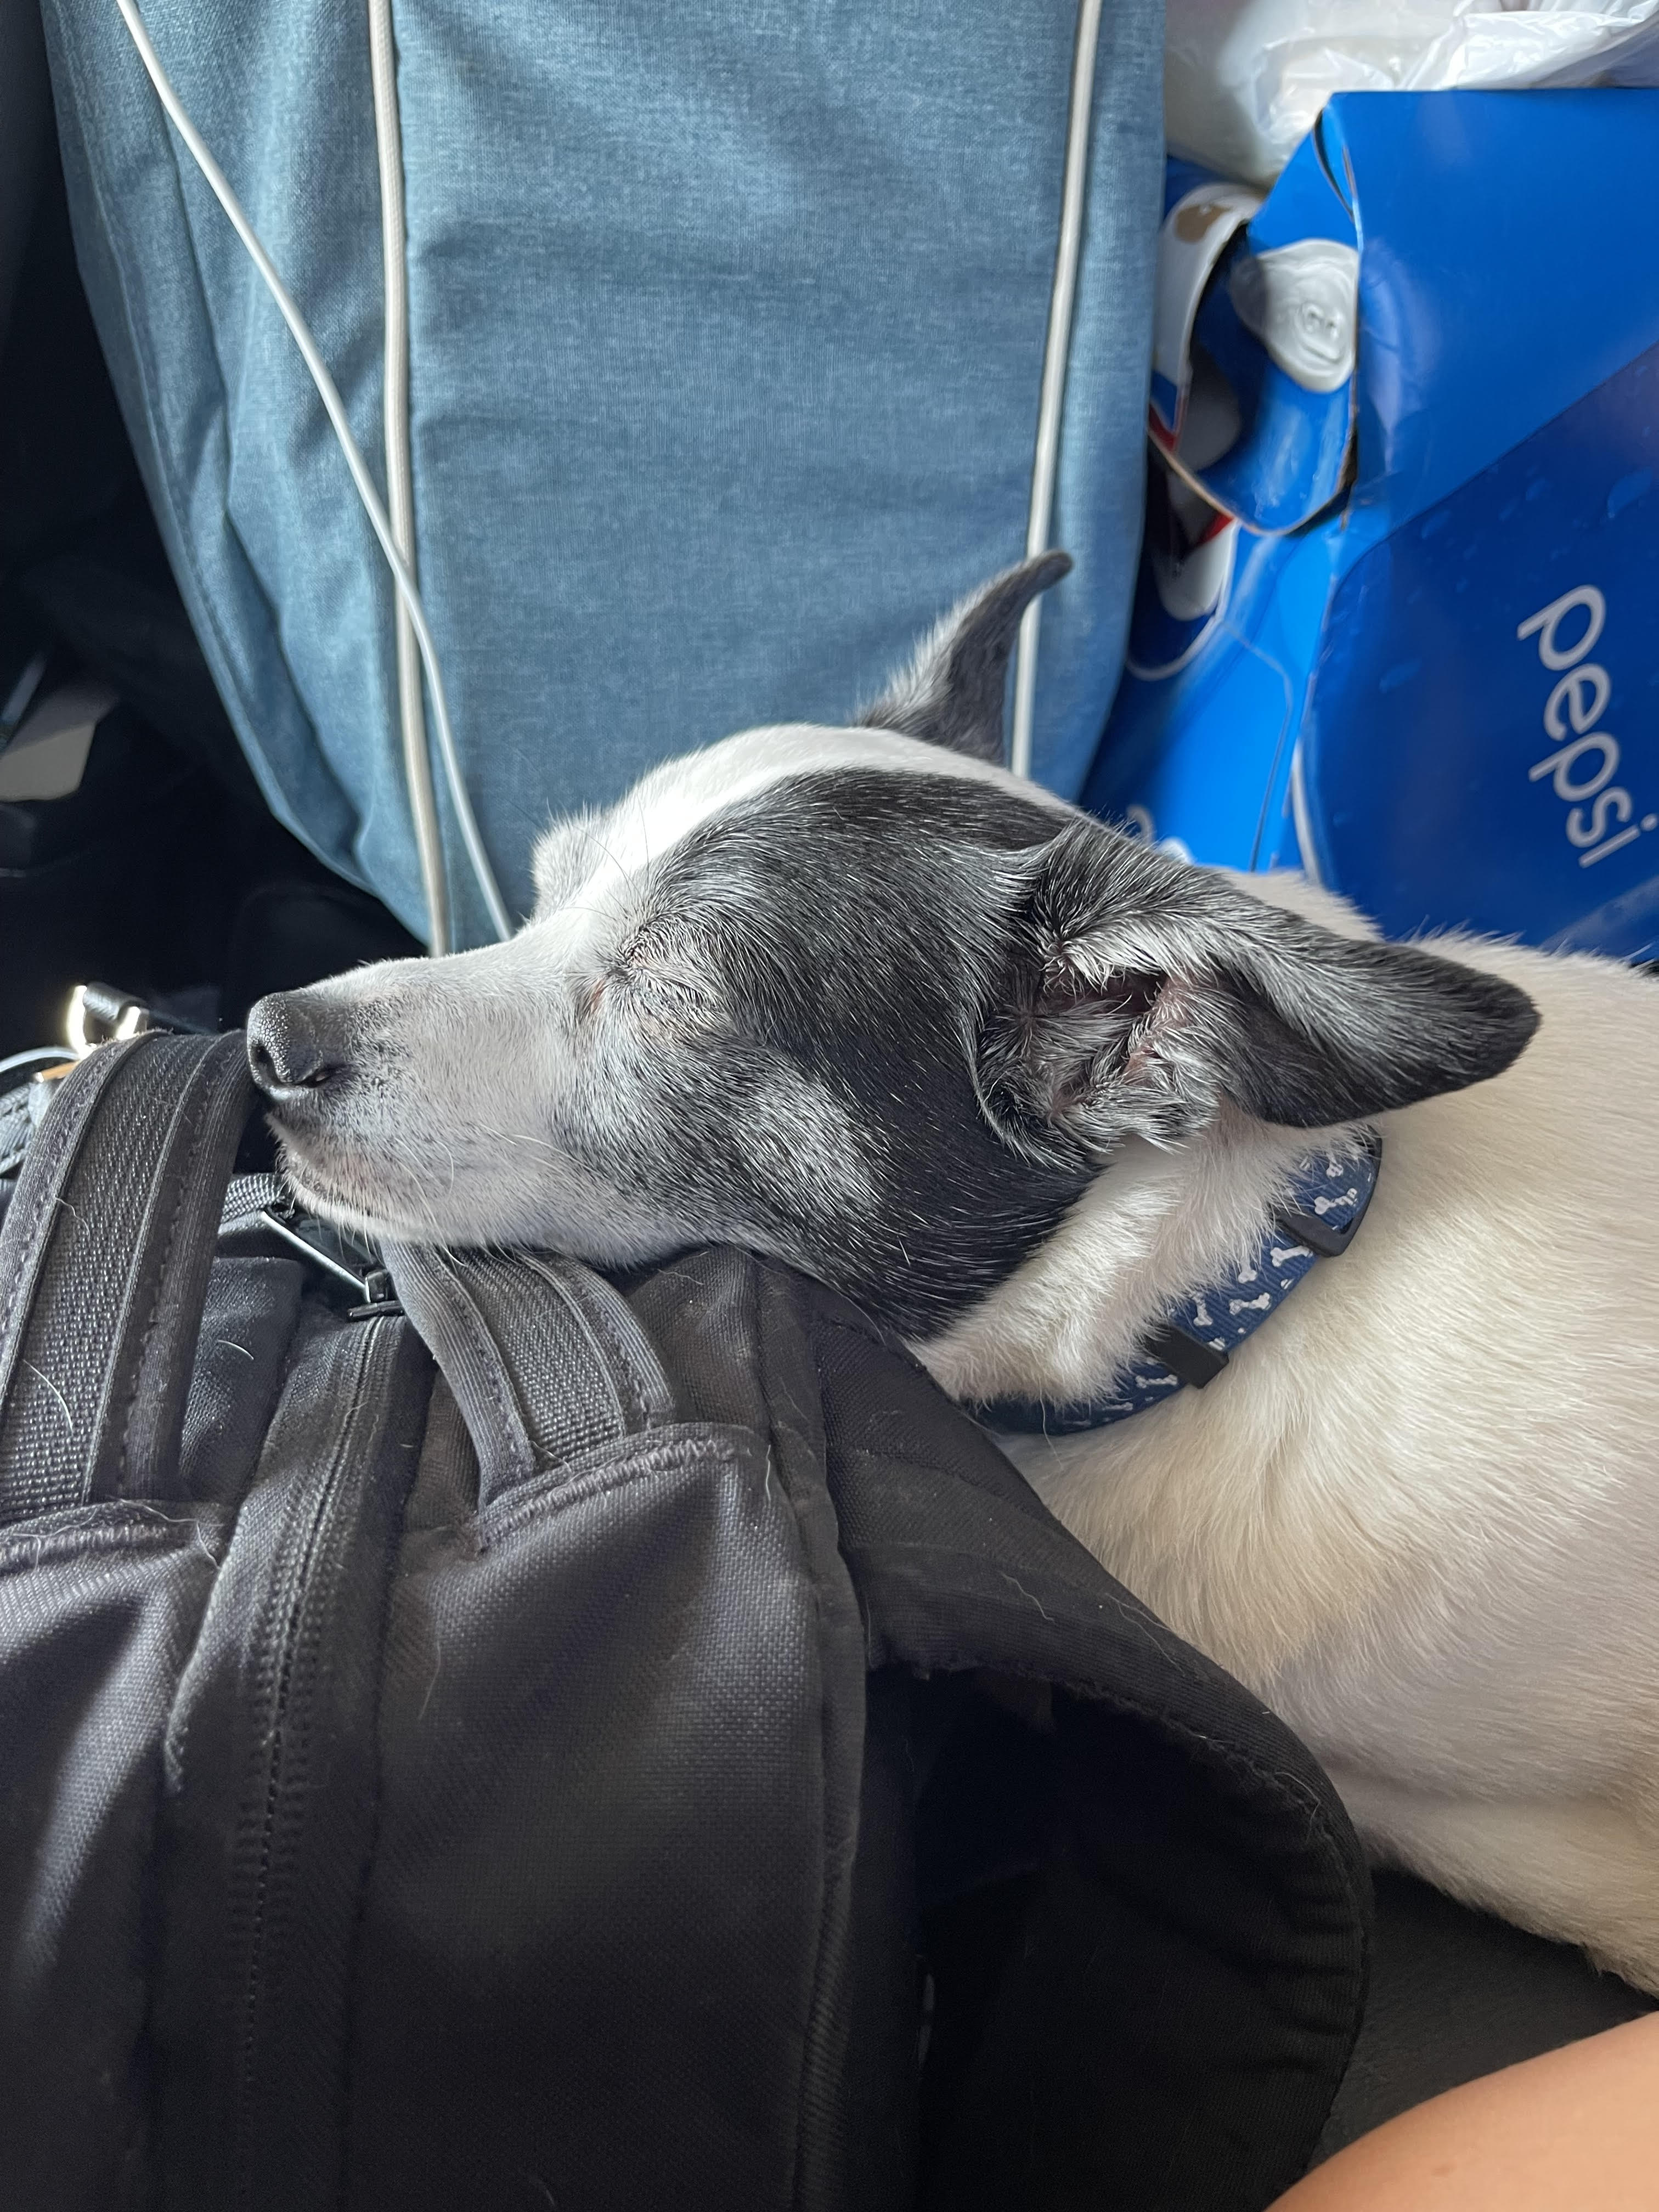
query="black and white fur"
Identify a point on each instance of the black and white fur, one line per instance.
(860, 998)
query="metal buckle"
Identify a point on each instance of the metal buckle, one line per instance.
(101, 1013)
(350, 1262)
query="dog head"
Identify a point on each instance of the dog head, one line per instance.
(856, 998)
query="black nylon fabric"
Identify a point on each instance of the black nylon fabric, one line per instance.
(248, 1324)
(272, 1798)
(98, 1608)
(658, 1611)
(1141, 1905)
(104, 1259)
(563, 1747)
(37, 1470)
(543, 1358)
(742, 1355)
(590, 1938)
(1153, 1827)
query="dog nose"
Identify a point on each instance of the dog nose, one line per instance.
(293, 1044)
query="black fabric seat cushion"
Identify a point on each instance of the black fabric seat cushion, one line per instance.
(1456, 1994)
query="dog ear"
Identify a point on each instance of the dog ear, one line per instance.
(952, 694)
(1138, 992)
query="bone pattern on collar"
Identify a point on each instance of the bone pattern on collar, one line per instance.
(1201, 1330)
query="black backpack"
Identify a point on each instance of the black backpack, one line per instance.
(480, 1736)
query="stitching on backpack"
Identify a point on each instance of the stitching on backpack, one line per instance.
(467, 1309)
(58, 1160)
(1231, 1757)
(600, 1327)
(612, 1371)
(89, 1532)
(822, 2000)
(664, 1451)
(181, 1178)
(48, 1197)
(282, 1611)
(65, 1140)
(626, 1381)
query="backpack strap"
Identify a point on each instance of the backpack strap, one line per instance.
(104, 1261)
(545, 1360)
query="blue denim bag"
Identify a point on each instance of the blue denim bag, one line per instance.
(726, 333)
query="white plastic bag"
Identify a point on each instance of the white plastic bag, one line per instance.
(1244, 80)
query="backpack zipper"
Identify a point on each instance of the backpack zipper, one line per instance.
(306, 1611)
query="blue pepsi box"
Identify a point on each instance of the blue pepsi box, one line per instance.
(1397, 618)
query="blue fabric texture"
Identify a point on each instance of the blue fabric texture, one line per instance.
(727, 332)
(1331, 1188)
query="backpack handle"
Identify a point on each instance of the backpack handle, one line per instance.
(545, 1360)
(104, 1260)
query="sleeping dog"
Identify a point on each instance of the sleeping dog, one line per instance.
(1071, 1115)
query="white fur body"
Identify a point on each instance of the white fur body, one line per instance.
(1419, 1514)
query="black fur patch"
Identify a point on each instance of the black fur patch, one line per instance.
(1138, 991)
(846, 925)
(978, 1000)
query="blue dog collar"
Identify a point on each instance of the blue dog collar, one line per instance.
(1202, 1330)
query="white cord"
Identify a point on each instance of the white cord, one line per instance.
(39, 1055)
(399, 471)
(1051, 405)
(359, 476)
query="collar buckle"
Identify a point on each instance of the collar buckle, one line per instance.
(1195, 1363)
(1325, 1238)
